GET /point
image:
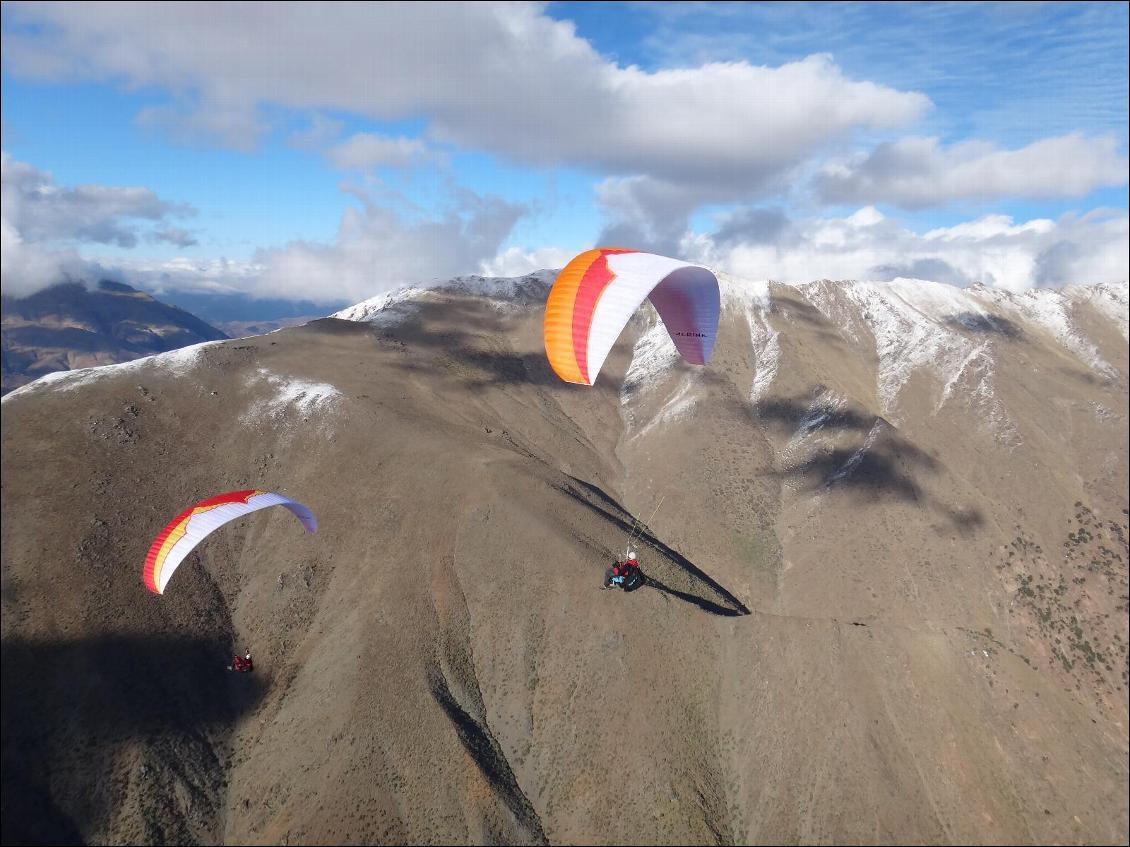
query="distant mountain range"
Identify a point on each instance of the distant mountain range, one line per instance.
(243, 329)
(224, 309)
(72, 326)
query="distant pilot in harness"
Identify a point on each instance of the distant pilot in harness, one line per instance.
(242, 664)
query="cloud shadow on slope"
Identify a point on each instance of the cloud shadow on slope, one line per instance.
(697, 586)
(791, 414)
(72, 711)
(468, 342)
(984, 324)
(881, 464)
(874, 475)
(799, 311)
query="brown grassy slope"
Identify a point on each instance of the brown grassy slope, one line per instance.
(437, 664)
(917, 697)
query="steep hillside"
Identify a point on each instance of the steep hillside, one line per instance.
(71, 326)
(886, 557)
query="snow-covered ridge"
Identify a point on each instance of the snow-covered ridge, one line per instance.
(918, 325)
(501, 291)
(1110, 299)
(754, 300)
(177, 362)
(654, 354)
(915, 326)
(380, 309)
(1054, 312)
(508, 288)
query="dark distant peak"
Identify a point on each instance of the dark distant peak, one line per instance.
(74, 288)
(77, 325)
(66, 291)
(71, 287)
(111, 287)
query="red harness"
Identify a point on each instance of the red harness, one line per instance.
(242, 665)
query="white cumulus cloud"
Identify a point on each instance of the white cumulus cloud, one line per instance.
(993, 250)
(515, 261)
(500, 77)
(377, 250)
(26, 268)
(918, 172)
(43, 221)
(366, 150)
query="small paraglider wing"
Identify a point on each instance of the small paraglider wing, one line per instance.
(189, 528)
(598, 292)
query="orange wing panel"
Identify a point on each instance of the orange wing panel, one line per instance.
(559, 347)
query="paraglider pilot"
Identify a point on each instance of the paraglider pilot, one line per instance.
(621, 572)
(242, 664)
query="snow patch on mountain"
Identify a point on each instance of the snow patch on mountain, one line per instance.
(681, 404)
(853, 462)
(754, 300)
(821, 410)
(503, 293)
(906, 320)
(653, 355)
(1051, 311)
(291, 395)
(1112, 300)
(382, 310)
(918, 326)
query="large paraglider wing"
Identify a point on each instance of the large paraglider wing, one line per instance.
(599, 291)
(188, 528)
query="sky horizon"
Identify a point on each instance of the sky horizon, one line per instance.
(328, 154)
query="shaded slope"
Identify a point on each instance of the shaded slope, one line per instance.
(117, 734)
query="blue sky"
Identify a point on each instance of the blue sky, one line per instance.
(334, 153)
